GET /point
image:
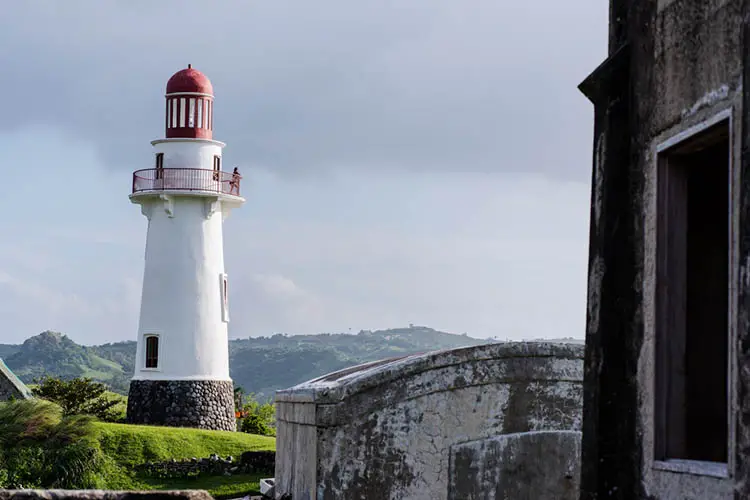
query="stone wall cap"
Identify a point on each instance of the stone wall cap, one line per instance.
(339, 384)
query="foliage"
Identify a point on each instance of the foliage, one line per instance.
(239, 395)
(256, 417)
(80, 396)
(261, 365)
(254, 424)
(41, 448)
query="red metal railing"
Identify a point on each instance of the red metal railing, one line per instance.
(186, 179)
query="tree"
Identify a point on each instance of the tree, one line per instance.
(258, 418)
(239, 393)
(79, 396)
(253, 424)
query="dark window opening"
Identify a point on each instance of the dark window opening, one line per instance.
(159, 165)
(692, 299)
(152, 351)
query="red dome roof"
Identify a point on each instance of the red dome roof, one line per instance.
(189, 80)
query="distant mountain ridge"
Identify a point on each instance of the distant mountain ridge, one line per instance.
(260, 365)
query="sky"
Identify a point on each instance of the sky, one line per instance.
(422, 162)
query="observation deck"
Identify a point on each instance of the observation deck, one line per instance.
(196, 181)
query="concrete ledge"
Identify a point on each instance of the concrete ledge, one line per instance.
(341, 385)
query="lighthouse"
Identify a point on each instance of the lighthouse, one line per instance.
(181, 375)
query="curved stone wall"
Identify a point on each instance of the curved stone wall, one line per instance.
(203, 404)
(386, 429)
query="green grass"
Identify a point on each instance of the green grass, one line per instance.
(136, 444)
(41, 448)
(100, 369)
(218, 486)
(130, 445)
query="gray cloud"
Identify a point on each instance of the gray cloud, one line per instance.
(431, 85)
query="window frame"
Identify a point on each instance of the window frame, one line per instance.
(159, 165)
(224, 296)
(217, 168)
(159, 349)
(653, 236)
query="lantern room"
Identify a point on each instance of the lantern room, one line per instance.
(189, 105)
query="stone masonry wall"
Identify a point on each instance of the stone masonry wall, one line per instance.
(251, 462)
(202, 404)
(386, 430)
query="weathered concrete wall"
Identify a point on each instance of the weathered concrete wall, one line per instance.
(11, 386)
(521, 466)
(691, 84)
(672, 64)
(385, 430)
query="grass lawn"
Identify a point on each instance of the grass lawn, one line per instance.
(218, 486)
(81, 453)
(130, 445)
(136, 444)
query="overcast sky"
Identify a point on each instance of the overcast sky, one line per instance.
(421, 162)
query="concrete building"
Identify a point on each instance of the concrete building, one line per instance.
(182, 363)
(667, 365)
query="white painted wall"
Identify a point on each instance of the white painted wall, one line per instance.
(182, 296)
(188, 153)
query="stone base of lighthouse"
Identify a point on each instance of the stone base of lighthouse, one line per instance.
(202, 404)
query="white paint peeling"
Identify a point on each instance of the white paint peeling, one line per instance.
(600, 159)
(708, 99)
(596, 275)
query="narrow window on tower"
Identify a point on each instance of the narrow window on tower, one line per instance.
(152, 351)
(183, 111)
(200, 113)
(173, 107)
(693, 317)
(191, 111)
(224, 298)
(159, 165)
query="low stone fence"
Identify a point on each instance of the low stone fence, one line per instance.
(255, 462)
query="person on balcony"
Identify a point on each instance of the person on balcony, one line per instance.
(234, 184)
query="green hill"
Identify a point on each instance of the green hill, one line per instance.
(260, 365)
(53, 353)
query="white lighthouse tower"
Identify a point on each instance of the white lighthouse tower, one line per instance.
(182, 363)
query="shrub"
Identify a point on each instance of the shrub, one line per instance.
(254, 424)
(41, 448)
(258, 418)
(79, 396)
